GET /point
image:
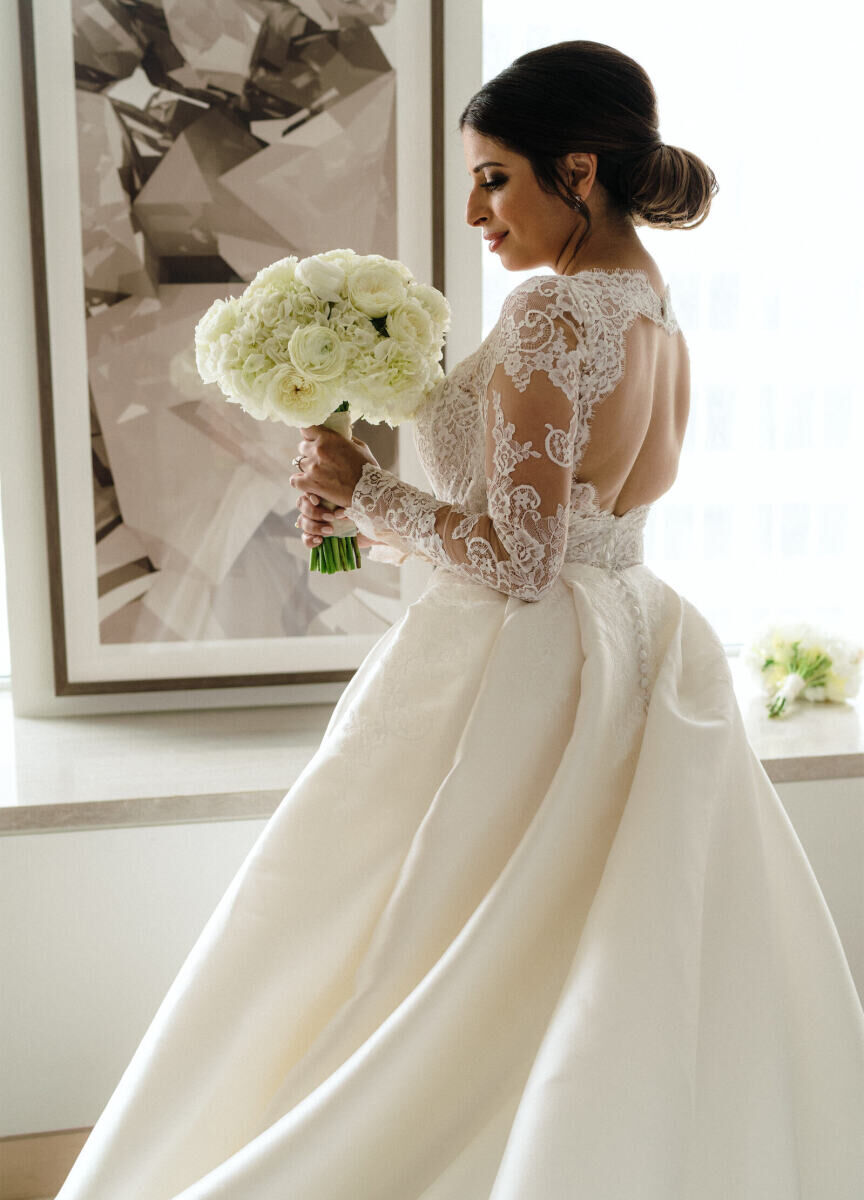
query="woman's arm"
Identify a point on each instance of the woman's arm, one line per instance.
(517, 546)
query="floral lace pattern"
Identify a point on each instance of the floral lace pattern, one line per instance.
(508, 510)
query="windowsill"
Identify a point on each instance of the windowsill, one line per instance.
(158, 768)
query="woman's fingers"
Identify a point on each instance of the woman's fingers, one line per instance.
(315, 521)
(310, 506)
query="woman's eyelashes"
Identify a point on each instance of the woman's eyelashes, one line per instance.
(493, 183)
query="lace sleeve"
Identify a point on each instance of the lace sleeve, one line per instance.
(531, 415)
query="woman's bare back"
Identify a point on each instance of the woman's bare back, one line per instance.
(637, 431)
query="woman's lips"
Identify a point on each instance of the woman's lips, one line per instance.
(496, 242)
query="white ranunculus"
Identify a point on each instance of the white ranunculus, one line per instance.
(325, 278)
(374, 288)
(412, 322)
(318, 352)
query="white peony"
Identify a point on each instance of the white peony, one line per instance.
(412, 322)
(375, 288)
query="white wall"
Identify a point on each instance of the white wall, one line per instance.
(95, 926)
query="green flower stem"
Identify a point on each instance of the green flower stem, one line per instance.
(811, 665)
(335, 554)
(776, 706)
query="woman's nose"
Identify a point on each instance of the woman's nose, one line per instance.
(475, 210)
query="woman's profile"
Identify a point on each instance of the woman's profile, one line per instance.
(532, 923)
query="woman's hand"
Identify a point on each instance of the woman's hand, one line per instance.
(316, 522)
(331, 465)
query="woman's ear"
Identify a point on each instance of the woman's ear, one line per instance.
(581, 171)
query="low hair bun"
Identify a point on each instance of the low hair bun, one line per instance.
(587, 97)
(671, 188)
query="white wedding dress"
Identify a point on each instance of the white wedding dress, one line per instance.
(533, 923)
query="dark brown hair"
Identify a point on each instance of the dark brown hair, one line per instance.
(587, 97)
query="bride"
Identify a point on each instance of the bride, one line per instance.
(533, 922)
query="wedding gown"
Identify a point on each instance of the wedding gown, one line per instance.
(533, 922)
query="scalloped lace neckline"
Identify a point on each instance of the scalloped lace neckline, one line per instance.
(623, 271)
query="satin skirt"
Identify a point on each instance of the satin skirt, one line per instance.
(533, 923)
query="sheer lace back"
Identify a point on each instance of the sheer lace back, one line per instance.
(502, 437)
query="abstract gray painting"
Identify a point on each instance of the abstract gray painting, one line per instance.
(215, 136)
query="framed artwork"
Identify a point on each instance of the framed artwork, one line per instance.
(174, 148)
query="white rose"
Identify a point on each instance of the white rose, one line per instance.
(324, 277)
(411, 322)
(294, 400)
(374, 288)
(318, 353)
(434, 302)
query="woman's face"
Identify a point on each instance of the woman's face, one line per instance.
(505, 198)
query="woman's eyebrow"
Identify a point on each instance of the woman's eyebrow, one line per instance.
(480, 166)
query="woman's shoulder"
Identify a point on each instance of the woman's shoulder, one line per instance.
(553, 296)
(542, 285)
(542, 326)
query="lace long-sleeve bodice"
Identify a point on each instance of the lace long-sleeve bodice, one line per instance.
(502, 436)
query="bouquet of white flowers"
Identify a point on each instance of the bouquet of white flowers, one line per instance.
(802, 661)
(323, 340)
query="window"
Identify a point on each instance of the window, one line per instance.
(764, 520)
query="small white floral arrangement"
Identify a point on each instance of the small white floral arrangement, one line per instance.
(321, 341)
(802, 661)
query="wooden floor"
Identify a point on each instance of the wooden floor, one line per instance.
(34, 1165)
